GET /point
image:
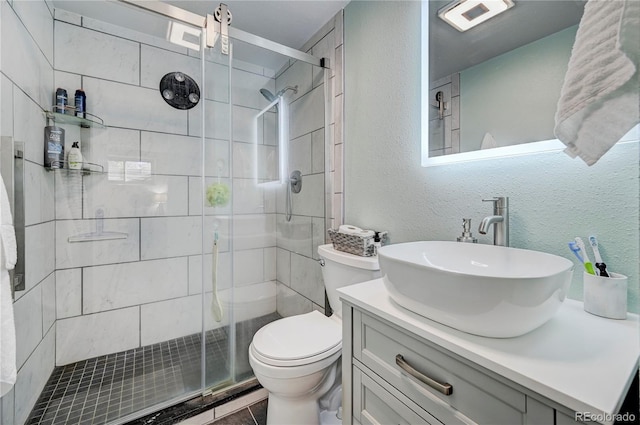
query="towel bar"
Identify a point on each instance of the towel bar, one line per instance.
(13, 175)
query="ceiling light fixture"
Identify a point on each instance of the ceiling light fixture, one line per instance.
(465, 14)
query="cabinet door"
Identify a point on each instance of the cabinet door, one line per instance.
(564, 419)
(373, 405)
(539, 413)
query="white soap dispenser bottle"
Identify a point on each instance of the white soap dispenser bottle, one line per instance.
(75, 157)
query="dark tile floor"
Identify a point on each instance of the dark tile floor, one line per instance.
(255, 414)
(100, 390)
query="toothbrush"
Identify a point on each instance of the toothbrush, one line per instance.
(587, 262)
(573, 246)
(576, 251)
(596, 253)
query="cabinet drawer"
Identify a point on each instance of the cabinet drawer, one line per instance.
(373, 405)
(475, 397)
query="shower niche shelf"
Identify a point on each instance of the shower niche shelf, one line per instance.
(70, 118)
(87, 169)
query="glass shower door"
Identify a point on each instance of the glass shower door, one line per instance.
(264, 118)
(141, 309)
(239, 269)
(127, 232)
(215, 187)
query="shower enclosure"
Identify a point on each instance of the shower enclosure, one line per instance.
(154, 265)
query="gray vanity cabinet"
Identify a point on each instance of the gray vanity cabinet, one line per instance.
(379, 359)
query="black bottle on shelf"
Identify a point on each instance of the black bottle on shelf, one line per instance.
(81, 104)
(61, 101)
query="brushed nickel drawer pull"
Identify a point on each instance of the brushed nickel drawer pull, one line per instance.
(445, 389)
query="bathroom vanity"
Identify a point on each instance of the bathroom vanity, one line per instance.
(576, 368)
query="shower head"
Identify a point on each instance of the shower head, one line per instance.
(271, 97)
(268, 95)
(283, 91)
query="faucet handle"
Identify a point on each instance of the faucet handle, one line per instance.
(497, 200)
(500, 203)
(496, 203)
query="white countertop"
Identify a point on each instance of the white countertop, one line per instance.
(579, 360)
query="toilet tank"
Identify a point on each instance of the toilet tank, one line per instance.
(343, 269)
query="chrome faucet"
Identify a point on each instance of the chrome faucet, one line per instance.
(499, 219)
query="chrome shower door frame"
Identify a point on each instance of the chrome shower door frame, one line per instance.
(204, 22)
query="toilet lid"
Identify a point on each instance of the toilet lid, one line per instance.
(298, 337)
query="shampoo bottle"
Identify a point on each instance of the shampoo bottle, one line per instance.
(75, 157)
(53, 147)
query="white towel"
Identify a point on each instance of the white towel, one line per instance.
(353, 230)
(349, 230)
(599, 101)
(488, 142)
(8, 255)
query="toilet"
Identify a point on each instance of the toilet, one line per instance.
(297, 358)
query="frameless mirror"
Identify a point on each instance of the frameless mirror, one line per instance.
(492, 90)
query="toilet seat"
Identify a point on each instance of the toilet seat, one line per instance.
(298, 340)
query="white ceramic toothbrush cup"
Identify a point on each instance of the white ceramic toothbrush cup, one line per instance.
(606, 296)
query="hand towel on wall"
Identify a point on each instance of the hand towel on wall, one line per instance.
(7, 262)
(599, 100)
(488, 142)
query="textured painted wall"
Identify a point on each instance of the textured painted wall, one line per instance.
(553, 198)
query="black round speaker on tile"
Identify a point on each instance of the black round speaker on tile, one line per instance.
(179, 90)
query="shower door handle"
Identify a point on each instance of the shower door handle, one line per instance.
(13, 176)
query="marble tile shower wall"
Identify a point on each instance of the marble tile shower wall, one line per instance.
(26, 78)
(120, 294)
(300, 286)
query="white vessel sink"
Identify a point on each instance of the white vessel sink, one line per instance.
(485, 290)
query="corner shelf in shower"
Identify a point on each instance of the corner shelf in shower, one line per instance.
(70, 118)
(87, 169)
(99, 234)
